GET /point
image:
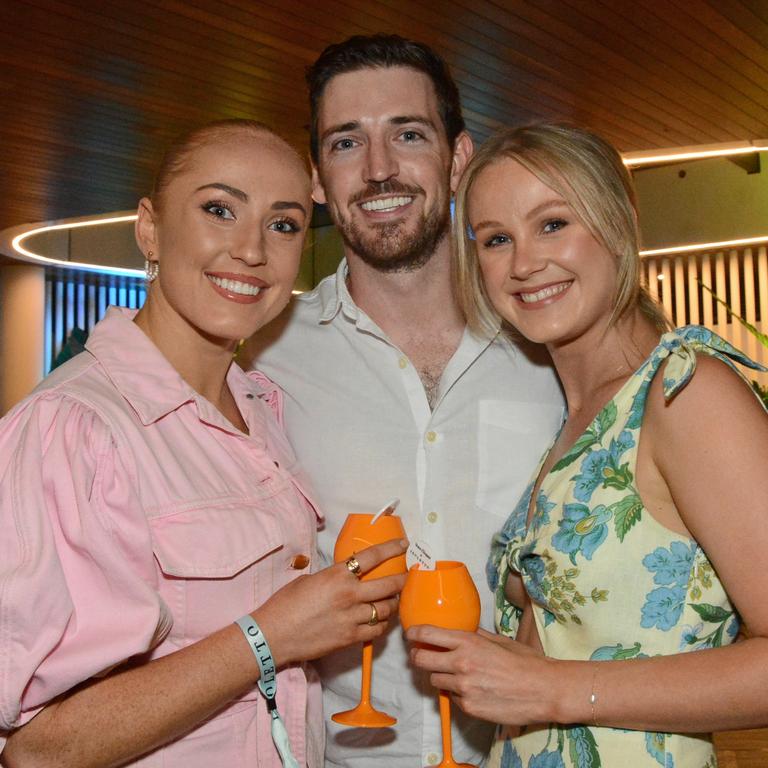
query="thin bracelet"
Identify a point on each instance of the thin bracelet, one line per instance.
(268, 686)
(593, 699)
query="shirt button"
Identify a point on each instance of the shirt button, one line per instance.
(403, 362)
(432, 758)
(432, 517)
(299, 562)
(431, 436)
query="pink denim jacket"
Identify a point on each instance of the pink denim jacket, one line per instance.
(134, 518)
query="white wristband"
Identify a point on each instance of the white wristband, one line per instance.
(268, 686)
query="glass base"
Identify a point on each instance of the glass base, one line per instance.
(364, 717)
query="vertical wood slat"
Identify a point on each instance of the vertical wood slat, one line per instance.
(693, 293)
(762, 293)
(680, 313)
(750, 303)
(706, 279)
(737, 330)
(720, 314)
(653, 279)
(666, 287)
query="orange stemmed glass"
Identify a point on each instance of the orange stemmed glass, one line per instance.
(356, 534)
(445, 597)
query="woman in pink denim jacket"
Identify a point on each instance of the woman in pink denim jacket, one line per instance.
(148, 499)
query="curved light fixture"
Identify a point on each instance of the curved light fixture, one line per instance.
(20, 234)
(27, 255)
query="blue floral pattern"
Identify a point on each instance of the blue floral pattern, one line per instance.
(603, 468)
(581, 530)
(606, 580)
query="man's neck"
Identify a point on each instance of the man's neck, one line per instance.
(402, 302)
(417, 310)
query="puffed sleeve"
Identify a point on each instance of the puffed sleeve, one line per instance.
(78, 592)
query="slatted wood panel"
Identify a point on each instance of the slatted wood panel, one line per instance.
(738, 276)
(91, 90)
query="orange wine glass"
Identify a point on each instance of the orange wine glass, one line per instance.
(356, 534)
(445, 597)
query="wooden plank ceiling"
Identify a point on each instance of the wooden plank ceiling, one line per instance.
(91, 91)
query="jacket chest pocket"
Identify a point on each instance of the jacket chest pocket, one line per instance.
(215, 564)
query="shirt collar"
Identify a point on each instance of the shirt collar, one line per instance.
(337, 297)
(143, 376)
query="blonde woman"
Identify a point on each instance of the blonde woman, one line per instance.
(640, 546)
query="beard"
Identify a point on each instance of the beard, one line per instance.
(389, 246)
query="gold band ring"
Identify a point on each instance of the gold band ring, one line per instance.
(353, 566)
(374, 620)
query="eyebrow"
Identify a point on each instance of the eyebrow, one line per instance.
(278, 205)
(556, 202)
(238, 193)
(404, 119)
(284, 205)
(353, 125)
(532, 214)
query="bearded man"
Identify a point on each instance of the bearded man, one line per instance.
(386, 392)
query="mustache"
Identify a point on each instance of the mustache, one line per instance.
(390, 187)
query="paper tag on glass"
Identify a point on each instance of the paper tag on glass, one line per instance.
(418, 552)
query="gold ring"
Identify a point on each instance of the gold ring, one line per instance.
(353, 566)
(374, 620)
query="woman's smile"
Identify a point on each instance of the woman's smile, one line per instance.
(543, 295)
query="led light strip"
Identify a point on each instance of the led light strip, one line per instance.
(721, 245)
(634, 159)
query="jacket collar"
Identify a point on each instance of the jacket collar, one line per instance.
(143, 376)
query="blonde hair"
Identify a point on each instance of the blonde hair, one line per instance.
(588, 173)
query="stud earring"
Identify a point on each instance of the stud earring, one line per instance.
(151, 268)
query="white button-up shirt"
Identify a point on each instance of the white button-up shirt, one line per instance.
(360, 423)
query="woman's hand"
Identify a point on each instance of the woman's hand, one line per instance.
(490, 676)
(328, 610)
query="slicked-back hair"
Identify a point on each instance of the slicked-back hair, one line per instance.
(382, 51)
(179, 151)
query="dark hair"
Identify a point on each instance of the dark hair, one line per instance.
(381, 51)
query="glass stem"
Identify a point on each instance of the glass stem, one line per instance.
(445, 727)
(365, 682)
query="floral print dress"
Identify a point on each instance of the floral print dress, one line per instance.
(606, 580)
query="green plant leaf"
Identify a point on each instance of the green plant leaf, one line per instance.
(607, 418)
(626, 512)
(761, 337)
(711, 613)
(585, 441)
(583, 748)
